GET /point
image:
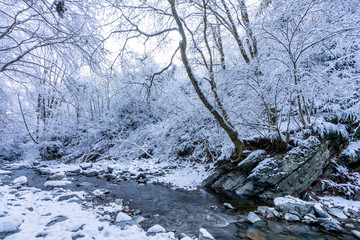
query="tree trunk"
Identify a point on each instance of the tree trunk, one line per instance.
(231, 132)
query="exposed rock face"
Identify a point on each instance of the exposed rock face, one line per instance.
(272, 176)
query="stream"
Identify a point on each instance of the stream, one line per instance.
(186, 212)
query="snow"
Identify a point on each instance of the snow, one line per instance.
(74, 219)
(98, 192)
(288, 199)
(122, 217)
(56, 183)
(265, 164)
(10, 223)
(352, 149)
(156, 229)
(252, 155)
(330, 201)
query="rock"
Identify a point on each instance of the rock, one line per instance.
(356, 234)
(56, 183)
(109, 176)
(291, 217)
(43, 171)
(104, 218)
(91, 173)
(56, 219)
(336, 212)
(205, 235)
(56, 177)
(110, 169)
(252, 217)
(252, 160)
(269, 177)
(85, 184)
(320, 212)
(353, 212)
(293, 205)
(41, 234)
(349, 225)
(329, 225)
(20, 181)
(270, 216)
(156, 229)
(122, 217)
(99, 193)
(73, 172)
(75, 236)
(255, 236)
(85, 166)
(263, 209)
(67, 197)
(308, 220)
(78, 201)
(228, 205)
(186, 238)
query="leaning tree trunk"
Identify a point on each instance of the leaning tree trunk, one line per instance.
(231, 132)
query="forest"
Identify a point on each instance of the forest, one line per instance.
(260, 98)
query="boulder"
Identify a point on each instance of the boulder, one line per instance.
(269, 177)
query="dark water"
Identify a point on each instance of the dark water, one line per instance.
(186, 212)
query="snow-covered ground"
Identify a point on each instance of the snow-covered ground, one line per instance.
(29, 213)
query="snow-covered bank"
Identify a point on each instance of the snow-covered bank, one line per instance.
(29, 213)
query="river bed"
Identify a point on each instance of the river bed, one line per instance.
(186, 212)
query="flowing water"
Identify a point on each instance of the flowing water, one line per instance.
(186, 212)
